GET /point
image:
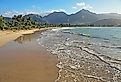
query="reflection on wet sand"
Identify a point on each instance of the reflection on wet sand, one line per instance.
(27, 37)
(23, 60)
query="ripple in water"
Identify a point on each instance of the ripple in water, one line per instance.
(82, 58)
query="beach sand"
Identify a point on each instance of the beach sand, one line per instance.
(23, 60)
(6, 36)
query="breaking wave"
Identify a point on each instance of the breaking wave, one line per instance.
(82, 58)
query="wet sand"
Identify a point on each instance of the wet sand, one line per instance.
(9, 35)
(23, 60)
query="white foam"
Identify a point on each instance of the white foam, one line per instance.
(57, 29)
(38, 39)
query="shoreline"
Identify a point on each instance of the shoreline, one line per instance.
(23, 59)
(8, 35)
(78, 60)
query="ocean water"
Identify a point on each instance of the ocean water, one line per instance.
(85, 54)
(112, 34)
(108, 38)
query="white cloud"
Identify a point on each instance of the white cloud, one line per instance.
(62, 10)
(30, 12)
(34, 10)
(59, 10)
(74, 7)
(82, 5)
(12, 13)
(25, 12)
(9, 13)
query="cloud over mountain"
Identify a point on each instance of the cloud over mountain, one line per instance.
(82, 5)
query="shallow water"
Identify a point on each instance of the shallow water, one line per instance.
(85, 54)
(108, 39)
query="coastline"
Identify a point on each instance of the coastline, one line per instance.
(23, 60)
(78, 58)
(8, 35)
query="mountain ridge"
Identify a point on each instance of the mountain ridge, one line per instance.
(81, 17)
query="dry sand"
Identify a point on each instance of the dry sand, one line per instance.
(23, 60)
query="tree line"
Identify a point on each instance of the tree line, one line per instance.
(17, 22)
(23, 23)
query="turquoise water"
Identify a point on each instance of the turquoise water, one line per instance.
(105, 40)
(85, 53)
(109, 34)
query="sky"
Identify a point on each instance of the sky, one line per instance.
(9, 8)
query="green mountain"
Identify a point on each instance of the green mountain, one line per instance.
(115, 22)
(81, 17)
(56, 18)
(35, 17)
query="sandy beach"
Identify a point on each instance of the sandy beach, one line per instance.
(6, 36)
(23, 60)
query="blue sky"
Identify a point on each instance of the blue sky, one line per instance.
(11, 7)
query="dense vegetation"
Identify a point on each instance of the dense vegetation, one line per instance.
(26, 22)
(3, 23)
(17, 22)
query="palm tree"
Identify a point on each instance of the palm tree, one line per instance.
(17, 22)
(2, 23)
